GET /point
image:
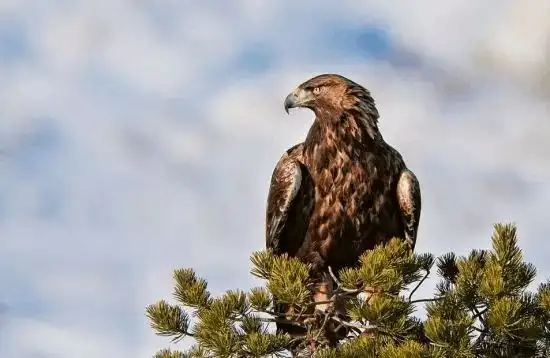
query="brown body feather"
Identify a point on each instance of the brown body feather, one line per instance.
(344, 189)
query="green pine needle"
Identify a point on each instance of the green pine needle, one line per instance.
(168, 320)
(481, 307)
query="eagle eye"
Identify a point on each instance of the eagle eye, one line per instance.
(316, 90)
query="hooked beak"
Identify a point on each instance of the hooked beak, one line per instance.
(298, 98)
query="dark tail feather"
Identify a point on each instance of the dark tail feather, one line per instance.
(296, 331)
(281, 309)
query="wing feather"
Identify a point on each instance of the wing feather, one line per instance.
(409, 198)
(284, 216)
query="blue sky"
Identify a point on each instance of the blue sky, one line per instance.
(138, 137)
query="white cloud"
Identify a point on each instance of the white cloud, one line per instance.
(443, 31)
(32, 338)
(518, 45)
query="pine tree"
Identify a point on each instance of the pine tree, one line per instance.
(481, 307)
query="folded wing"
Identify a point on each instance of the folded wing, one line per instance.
(408, 196)
(288, 204)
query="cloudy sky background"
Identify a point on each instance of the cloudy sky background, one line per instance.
(139, 136)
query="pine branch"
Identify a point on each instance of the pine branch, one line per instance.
(421, 300)
(168, 320)
(481, 307)
(479, 315)
(355, 325)
(419, 284)
(340, 288)
(167, 353)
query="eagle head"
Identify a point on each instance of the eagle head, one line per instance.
(331, 93)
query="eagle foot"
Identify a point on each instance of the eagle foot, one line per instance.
(317, 316)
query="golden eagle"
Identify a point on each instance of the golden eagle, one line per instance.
(341, 191)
